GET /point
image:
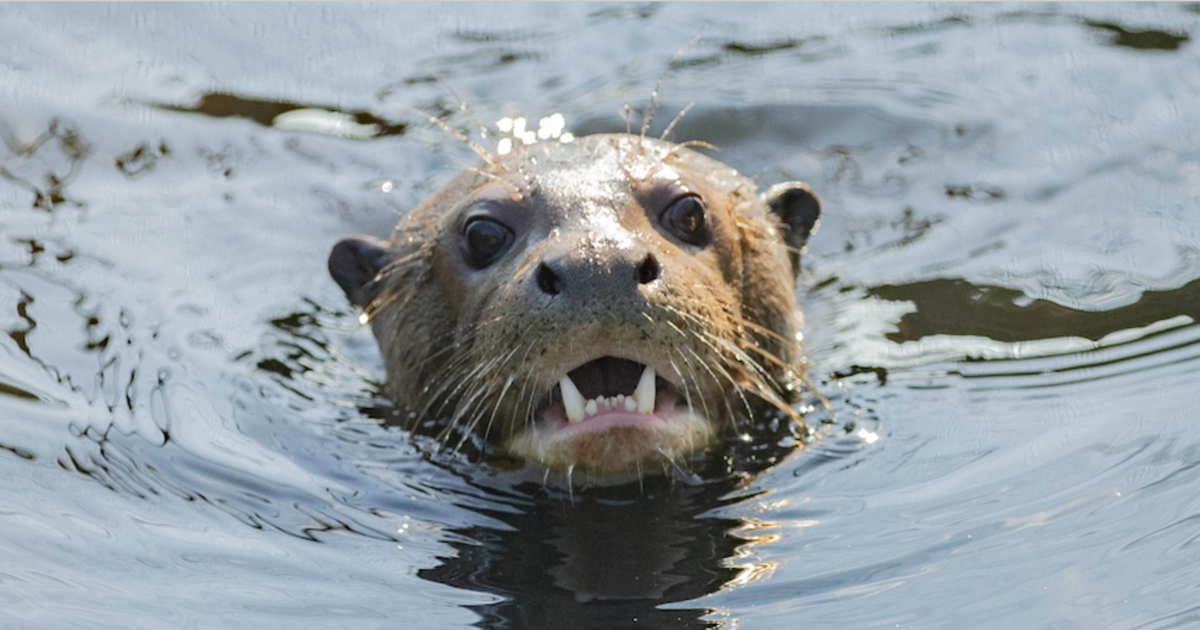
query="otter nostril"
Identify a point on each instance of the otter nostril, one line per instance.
(548, 281)
(649, 270)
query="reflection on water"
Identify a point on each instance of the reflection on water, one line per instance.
(612, 557)
(951, 306)
(1150, 39)
(1001, 307)
(270, 113)
(600, 562)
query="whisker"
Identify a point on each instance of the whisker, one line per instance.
(695, 379)
(673, 152)
(492, 160)
(517, 192)
(571, 482)
(653, 105)
(678, 117)
(467, 109)
(687, 393)
(733, 383)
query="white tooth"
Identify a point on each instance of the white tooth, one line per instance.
(591, 408)
(572, 399)
(630, 404)
(644, 394)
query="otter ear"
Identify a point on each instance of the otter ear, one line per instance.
(798, 209)
(355, 262)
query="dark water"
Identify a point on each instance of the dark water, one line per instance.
(1002, 300)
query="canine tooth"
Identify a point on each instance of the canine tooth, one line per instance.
(572, 400)
(644, 394)
(591, 407)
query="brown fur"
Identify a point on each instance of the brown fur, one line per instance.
(483, 348)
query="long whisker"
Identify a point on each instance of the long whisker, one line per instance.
(678, 117)
(653, 105)
(517, 192)
(492, 161)
(467, 385)
(708, 369)
(467, 109)
(674, 151)
(479, 392)
(757, 379)
(762, 389)
(696, 381)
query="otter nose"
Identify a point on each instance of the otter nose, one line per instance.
(612, 276)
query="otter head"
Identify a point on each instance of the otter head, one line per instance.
(607, 306)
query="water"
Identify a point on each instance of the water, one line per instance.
(1001, 299)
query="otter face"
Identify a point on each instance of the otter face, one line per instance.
(609, 306)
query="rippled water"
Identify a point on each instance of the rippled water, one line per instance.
(1002, 305)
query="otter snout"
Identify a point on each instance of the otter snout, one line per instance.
(596, 275)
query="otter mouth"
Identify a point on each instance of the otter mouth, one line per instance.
(611, 419)
(609, 391)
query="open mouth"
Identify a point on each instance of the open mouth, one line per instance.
(612, 418)
(608, 386)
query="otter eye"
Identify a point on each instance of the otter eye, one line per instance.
(684, 218)
(485, 241)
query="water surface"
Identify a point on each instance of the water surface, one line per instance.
(1001, 300)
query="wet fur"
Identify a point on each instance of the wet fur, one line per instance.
(467, 357)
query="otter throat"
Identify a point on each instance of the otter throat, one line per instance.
(577, 407)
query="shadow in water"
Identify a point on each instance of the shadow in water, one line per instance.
(267, 112)
(957, 307)
(610, 557)
(605, 559)
(1151, 39)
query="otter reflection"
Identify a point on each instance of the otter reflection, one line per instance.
(606, 558)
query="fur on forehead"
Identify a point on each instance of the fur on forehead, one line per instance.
(592, 158)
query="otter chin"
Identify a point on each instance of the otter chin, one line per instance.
(607, 307)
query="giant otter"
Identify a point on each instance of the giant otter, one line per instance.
(607, 306)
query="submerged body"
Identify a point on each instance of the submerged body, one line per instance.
(607, 306)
